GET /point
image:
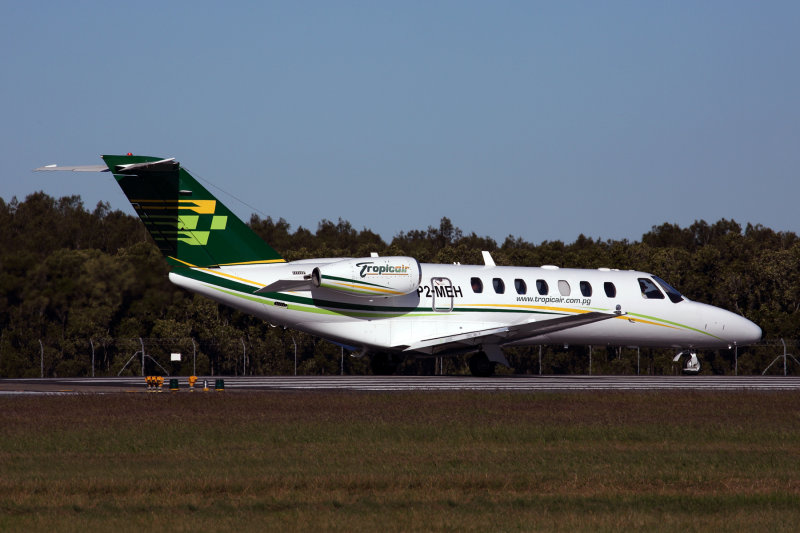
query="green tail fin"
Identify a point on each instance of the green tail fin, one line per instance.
(189, 225)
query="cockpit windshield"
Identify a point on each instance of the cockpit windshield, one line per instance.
(672, 292)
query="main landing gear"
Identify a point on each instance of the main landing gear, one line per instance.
(480, 366)
(383, 364)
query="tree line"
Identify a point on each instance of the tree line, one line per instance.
(82, 290)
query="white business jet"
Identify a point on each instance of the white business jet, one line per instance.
(390, 307)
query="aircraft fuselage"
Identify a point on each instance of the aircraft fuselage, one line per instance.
(447, 303)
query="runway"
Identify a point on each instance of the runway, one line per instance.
(414, 383)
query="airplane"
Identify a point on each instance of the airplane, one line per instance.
(392, 307)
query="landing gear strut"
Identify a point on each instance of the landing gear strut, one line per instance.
(480, 366)
(383, 364)
(692, 365)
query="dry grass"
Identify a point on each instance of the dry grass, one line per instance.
(401, 461)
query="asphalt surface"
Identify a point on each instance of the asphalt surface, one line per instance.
(412, 383)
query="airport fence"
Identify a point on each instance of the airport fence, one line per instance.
(296, 353)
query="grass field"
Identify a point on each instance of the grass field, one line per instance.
(401, 462)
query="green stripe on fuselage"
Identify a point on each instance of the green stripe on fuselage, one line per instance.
(683, 326)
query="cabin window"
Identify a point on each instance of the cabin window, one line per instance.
(649, 289)
(541, 287)
(611, 290)
(521, 287)
(586, 288)
(477, 285)
(563, 287)
(499, 286)
(672, 292)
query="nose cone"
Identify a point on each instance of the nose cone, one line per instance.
(727, 327)
(741, 331)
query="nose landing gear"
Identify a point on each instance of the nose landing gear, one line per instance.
(692, 365)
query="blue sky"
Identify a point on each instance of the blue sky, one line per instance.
(542, 120)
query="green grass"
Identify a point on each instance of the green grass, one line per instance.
(401, 461)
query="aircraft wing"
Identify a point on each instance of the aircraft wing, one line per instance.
(501, 335)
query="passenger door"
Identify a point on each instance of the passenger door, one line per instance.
(441, 295)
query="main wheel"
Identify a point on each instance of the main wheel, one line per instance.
(480, 366)
(383, 364)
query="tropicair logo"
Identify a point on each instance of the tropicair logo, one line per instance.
(369, 268)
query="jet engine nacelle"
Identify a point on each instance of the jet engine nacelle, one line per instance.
(370, 277)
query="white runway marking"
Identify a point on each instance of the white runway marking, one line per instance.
(425, 383)
(517, 383)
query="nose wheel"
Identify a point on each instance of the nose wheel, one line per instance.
(692, 364)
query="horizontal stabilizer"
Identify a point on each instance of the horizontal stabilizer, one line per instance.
(150, 166)
(75, 168)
